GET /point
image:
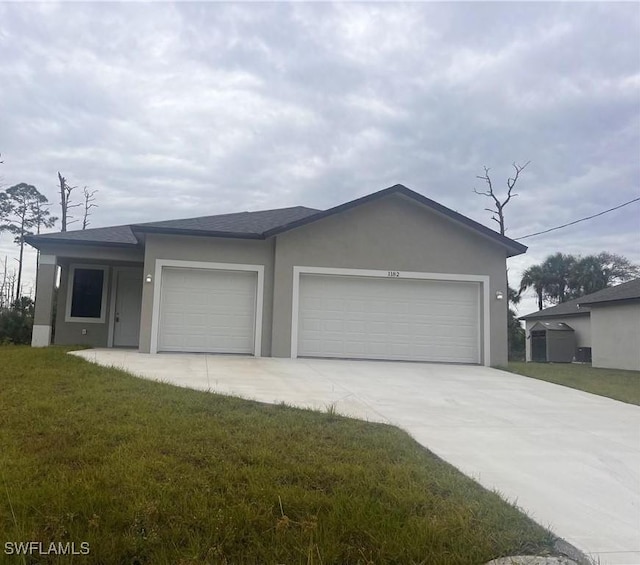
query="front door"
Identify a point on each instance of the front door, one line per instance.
(126, 330)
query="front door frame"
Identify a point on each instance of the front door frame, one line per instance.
(114, 297)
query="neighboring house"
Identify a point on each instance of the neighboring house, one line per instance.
(607, 321)
(615, 326)
(569, 313)
(392, 275)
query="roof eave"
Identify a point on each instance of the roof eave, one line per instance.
(611, 301)
(38, 242)
(535, 316)
(136, 229)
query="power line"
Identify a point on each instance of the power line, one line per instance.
(578, 221)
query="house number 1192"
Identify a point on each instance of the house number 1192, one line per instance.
(395, 274)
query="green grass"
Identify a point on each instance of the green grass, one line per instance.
(613, 383)
(150, 473)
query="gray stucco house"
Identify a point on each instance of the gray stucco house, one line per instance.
(392, 275)
(607, 321)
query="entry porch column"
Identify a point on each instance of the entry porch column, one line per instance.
(45, 286)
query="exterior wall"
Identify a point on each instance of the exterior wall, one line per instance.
(616, 335)
(214, 250)
(580, 323)
(391, 234)
(70, 333)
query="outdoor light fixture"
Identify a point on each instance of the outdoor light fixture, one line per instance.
(499, 295)
(148, 278)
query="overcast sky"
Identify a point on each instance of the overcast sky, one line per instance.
(190, 109)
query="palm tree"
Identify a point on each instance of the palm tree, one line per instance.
(534, 277)
(557, 269)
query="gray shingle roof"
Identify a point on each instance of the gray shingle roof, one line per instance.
(625, 291)
(569, 308)
(258, 225)
(241, 223)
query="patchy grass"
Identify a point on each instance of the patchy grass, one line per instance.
(613, 383)
(150, 473)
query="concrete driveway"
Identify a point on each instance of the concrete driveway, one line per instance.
(570, 459)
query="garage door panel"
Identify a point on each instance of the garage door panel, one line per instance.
(206, 310)
(376, 318)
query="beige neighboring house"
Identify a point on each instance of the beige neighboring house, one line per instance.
(607, 321)
(392, 275)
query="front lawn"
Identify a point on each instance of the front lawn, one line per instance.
(151, 473)
(613, 383)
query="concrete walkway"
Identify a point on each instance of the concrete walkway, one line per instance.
(570, 459)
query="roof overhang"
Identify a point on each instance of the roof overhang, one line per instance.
(38, 242)
(138, 229)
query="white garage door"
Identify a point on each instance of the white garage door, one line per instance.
(379, 318)
(207, 311)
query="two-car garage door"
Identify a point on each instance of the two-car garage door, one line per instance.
(389, 318)
(207, 310)
(215, 310)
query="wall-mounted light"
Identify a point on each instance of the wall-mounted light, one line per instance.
(499, 295)
(148, 278)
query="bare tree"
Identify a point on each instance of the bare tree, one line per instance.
(4, 287)
(89, 199)
(497, 213)
(65, 202)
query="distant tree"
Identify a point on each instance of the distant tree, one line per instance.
(563, 277)
(4, 211)
(89, 199)
(515, 331)
(596, 272)
(497, 212)
(26, 209)
(65, 202)
(534, 277)
(557, 269)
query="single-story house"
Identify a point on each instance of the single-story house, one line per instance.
(392, 275)
(607, 322)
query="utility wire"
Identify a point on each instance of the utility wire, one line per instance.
(578, 221)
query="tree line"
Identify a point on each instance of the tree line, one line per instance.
(25, 211)
(562, 277)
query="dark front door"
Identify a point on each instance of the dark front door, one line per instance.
(539, 346)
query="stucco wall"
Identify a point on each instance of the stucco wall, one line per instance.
(213, 250)
(391, 234)
(70, 333)
(579, 323)
(615, 329)
(67, 333)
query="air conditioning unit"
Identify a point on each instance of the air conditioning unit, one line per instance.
(583, 355)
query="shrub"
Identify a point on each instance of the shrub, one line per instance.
(16, 322)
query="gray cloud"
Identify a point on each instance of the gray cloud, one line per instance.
(177, 110)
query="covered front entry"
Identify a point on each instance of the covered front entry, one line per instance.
(207, 310)
(391, 317)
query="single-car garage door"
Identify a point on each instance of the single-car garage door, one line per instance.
(387, 318)
(207, 311)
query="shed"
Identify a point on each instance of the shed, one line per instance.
(552, 342)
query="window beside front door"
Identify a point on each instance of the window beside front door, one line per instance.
(87, 294)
